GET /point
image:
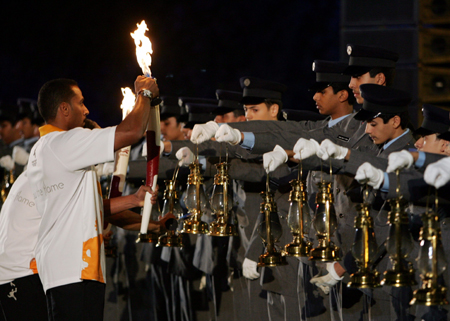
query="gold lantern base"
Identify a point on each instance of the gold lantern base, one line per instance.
(297, 249)
(147, 238)
(364, 280)
(272, 259)
(399, 278)
(170, 240)
(327, 253)
(222, 229)
(428, 296)
(194, 227)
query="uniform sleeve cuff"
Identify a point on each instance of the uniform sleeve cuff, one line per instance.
(249, 140)
(385, 186)
(420, 160)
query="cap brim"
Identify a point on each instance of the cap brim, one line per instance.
(423, 132)
(365, 115)
(356, 70)
(318, 86)
(222, 111)
(445, 136)
(252, 100)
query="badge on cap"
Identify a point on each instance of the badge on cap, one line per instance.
(247, 82)
(180, 102)
(349, 50)
(314, 66)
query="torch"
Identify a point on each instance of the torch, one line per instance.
(144, 58)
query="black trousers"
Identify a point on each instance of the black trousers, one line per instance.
(23, 299)
(77, 301)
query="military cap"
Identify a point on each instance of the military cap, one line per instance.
(182, 101)
(256, 91)
(8, 113)
(299, 115)
(435, 121)
(328, 72)
(362, 59)
(199, 113)
(380, 100)
(169, 107)
(228, 101)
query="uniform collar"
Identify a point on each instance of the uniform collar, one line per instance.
(47, 129)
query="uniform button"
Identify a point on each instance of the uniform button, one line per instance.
(341, 215)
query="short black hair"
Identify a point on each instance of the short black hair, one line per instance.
(239, 112)
(389, 74)
(404, 119)
(338, 86)
(52, 94)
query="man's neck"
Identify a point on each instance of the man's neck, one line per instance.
(343, 110)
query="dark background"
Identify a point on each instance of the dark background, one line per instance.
(199, 46)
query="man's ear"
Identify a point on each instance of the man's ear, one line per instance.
(380, 79)
(443, 146)
(343, 96)
(396, 121)
(64, 108)
(241, 118)
(274, 109)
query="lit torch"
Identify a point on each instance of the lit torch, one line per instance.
(143, 54)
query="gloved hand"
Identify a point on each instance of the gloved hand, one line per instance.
(436, 174)
(399, 160)
(185, 156)
(305, 148)
(144, 149)
(7, 162)
(20, 155)
(203, 132)
(108, 168)
(227, 134)
(329, 149)
(249, 269)
(272, 160)
(369, 174)
(325, 282)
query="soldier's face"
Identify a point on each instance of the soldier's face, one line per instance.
(6, 132)
(357, 81)
(171, 130)
(326, 101)
(379, 131)
(431, 144)
(261, 112)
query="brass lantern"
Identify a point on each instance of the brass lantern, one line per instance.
(221, 203)
(8, 181)
(299, 220)
(196, 202)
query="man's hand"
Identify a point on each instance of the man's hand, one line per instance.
(305, 148)
(399, 160)
(142, 82)
(369, 174)
(328, 149)
(185, 156)
(249, 269)
(438, 174)
(7, 162)
(272, 160)
(20, 155)
(139, 196)
(327, 281)
(227, 134)
(203, 132)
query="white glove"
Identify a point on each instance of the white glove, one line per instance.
(436, 174)
(203, 132)
(249, 269)
(108, 168)
(7, 162)
(272, 160)
(329, 149)
(227, 134)
(399, 160)
(305, 148)
(185, 156)
(327, 281)
(144, 149)
(369, 174)
(20, 155)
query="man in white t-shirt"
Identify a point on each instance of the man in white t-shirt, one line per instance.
(69, 250)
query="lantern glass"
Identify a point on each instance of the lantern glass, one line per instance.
(294, 216)
(320, 219)
(217, 203)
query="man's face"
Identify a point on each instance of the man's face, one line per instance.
(260, 112)
(186, 132)
(326, 101)
(219, 119)
(430, 144)
(171, 130)
(355, 82)
(379, 131)
(6, 132)
(78, 109)
(27, 128)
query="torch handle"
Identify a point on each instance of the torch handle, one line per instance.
(120, 172)
(147, 210)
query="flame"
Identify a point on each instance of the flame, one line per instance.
(127, 102)
(143, 48)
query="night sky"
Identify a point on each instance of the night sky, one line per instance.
(199, 46)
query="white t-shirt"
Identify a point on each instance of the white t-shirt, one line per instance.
(68, 196)
(19, 227)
